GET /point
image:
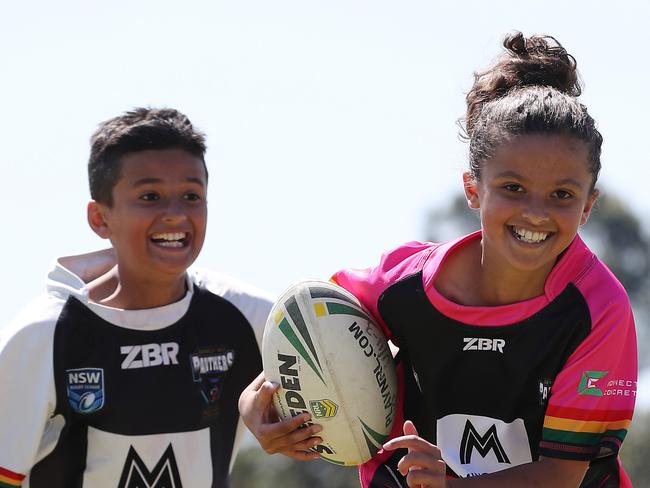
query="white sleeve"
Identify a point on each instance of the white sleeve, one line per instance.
(27, 391)
(254, 303)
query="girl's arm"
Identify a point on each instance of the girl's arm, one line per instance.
(423, 467)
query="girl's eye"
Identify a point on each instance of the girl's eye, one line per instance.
(150, 197)
(193, 197)
(563, 194)
(514, 187)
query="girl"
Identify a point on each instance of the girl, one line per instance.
(517, 350)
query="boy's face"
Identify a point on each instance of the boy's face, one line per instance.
(158, 218)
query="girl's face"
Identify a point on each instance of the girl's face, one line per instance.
(533, 195)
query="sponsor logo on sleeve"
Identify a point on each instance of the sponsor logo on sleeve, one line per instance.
(85, 389)
(589, 383)
(620, 387)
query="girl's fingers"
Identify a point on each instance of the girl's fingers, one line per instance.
(421, 461)
(412, 442)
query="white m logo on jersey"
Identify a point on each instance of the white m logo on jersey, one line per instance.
(482, 443)
(164, 475)
(148, 355)
(473, 444)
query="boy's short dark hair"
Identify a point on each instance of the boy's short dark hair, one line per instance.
(139, 129)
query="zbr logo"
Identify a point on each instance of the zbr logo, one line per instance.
(483, 344)
(85, 389)
(587, 385)
(164, 474)
(148, 355)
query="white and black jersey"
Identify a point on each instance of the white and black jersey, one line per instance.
(99, 397)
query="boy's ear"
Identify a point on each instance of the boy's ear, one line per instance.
(588, 206)
(471, 193)
(96, 220)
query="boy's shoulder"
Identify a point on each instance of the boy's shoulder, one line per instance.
(253, 302)
(226, 286)
(31, 332)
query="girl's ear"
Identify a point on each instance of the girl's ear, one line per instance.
(471, 190)
(591, 200)
(96, 220)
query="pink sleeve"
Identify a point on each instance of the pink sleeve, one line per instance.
(592, 399)
(368, 284)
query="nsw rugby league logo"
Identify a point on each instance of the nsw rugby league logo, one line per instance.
(85, 389)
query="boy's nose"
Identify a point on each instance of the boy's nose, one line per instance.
(174, 212)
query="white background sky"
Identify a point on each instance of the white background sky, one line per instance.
(331, 124)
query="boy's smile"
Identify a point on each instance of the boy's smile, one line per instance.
(157, 222)
(533, 195)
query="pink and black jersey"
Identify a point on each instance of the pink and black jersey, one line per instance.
(495, 387)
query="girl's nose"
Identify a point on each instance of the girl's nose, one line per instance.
(535, 212)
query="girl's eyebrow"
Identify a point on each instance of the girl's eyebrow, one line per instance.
(517, 176)
(510, 174)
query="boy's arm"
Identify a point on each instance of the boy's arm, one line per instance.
(286, 437)
(27, 398)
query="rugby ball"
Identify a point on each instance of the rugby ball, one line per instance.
(332, 361)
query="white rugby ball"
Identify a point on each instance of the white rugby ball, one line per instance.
(332, 361)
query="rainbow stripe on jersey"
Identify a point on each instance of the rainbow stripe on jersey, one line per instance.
(9, 479)
(577, 432)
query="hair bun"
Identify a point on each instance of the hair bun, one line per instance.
(538, 60)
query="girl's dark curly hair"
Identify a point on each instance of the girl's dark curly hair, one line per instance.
(531, 89)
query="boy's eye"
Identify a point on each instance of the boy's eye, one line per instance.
(150, 196)
(562, 194)
(193, 197)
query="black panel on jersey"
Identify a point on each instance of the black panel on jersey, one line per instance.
(165, 398)
(503, 385)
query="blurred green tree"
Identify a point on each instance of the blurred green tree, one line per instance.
(256, 469)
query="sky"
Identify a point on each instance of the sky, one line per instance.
(331, 125)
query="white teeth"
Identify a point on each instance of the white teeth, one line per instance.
(530, 236)
(168, 236)
(170, 244)
(169, 239)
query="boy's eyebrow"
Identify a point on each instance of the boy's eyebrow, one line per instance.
(149, 181)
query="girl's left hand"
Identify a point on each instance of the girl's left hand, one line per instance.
(423, 466)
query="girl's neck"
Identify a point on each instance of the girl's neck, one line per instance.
(466, 277)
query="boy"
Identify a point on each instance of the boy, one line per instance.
(127, 373)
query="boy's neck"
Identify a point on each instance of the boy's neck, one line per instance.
(113, 289)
